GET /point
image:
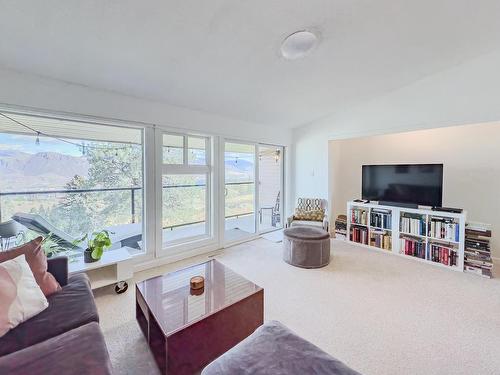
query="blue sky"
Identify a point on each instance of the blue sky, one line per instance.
(26, 143)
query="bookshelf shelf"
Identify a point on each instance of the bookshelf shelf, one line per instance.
(407, 232)
(412, 235)
(443, 240)
(381, 229)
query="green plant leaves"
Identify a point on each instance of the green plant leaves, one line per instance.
(98, 243)
(97, 253)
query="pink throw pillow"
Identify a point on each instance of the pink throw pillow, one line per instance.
(20, 296)
(37, 261)
(8, 294)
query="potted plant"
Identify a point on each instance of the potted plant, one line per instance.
(96, 244)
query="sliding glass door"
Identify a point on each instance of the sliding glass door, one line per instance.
(239, 191)
(270, 187)
(253, 189)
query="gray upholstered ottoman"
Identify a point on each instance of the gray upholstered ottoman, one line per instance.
(306, 247)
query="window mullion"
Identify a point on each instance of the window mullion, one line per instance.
(185, 150)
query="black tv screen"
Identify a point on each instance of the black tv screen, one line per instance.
(420, 184)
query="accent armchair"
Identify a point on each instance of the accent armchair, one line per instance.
(310, 212)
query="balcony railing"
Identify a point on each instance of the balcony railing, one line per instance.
(133, 193)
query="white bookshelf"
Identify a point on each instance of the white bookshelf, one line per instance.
(395, 233)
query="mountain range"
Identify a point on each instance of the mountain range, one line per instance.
(20, 171)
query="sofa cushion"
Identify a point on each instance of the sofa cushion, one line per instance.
(274, 349)
(80, 351)
(37, 261)
(70, 308)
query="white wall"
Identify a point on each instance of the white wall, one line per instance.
(468, 93)
(18, 89)
(470, 156)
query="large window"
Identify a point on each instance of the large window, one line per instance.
(64, 179)
(186, 193)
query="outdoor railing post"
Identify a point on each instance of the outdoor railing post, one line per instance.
(132, 196)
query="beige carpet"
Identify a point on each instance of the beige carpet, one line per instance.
(378, 313)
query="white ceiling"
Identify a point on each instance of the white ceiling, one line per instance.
(221, 56)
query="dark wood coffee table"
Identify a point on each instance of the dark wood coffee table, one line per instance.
(185, 331)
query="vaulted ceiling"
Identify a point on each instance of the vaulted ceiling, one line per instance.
(222, 56)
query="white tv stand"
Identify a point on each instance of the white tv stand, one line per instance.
(395, 233)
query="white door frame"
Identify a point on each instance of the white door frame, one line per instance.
(221, 195)
(282, 187)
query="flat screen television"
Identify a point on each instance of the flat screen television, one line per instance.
(414, 184)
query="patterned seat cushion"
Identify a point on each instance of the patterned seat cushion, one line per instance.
(309, 215)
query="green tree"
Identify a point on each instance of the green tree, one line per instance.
(110, 166)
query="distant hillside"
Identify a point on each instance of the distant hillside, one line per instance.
(242, 170)
(44, 170)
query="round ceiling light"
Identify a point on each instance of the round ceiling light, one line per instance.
(298, 44)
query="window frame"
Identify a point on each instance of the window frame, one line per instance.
(153, 169)
(148, 177)
(170, 248)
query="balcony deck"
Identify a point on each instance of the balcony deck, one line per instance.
(236, 228)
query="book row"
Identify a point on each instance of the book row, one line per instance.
(381, 239)
(414, 248)
(413, 225)
(381, 219)
(433, 252)
(359, 216)
(444, 229)
(441, 254)
(359, 235)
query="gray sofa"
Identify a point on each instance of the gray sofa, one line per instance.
(275, 350)
(65, 338)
